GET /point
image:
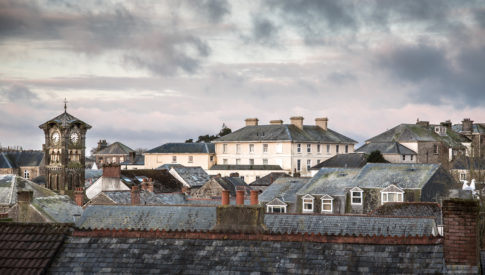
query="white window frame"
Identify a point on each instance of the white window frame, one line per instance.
(191, 159)
(271, 208)
(238, 161)
(238, 148)
(328, 201)
(251, 161)
(308, 164)
(436, 149)
(26, 174)
(251, 148)
(298, 147)
(225, 161)
(356, 190)
(265, 148)
(265, 161)
(336, 149)
(462, 176)
(307, 199)
(224, 148)
(174, 159)
(308, 148)
(319, 148)
(385, 197)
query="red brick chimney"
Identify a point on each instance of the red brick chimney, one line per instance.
(144, 184)
(150, 186)
(461, 244)
(78, 196)
(254, 197)
(225, 197)
(112, 171)
(240, 197)
(135, 195)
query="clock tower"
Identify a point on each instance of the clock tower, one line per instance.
(64, 151)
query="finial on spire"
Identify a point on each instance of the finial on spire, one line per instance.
(65, 105)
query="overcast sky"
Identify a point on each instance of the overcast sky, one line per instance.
(149, 72)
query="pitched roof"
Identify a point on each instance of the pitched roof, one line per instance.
(286, 132)
(182, 148)
(465, 163)
(332, 181)
(268, 179)
(146, 198)
(232, 184)
(351, 160)
(11, 184)
(198, 218)
(139, 160)
(477, 128)
(163, 181)
(27, 248)
(64, 120)
(245, 167)
(16, 159)
(193, 176)
(350, 225)
(60, 209)
(284, 188)
(116, 148)
(386, 148)
(410, 209)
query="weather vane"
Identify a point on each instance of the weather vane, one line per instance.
(65, 105)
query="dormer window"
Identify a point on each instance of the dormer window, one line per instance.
(392, 193)
(307, 202)
(327, 204)
(356, 196)
(276, 206)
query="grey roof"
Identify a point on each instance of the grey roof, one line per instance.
(16, 159)
(245, 167)
(146, 198)
(92, 174)
(410, 209)
(268, 179)
(331, 181)
(139, 160)
(232, 184)
(465, 163)
(11, 184)
(198, 218)
(64, 120)
(284, 188)
(181, 148)
(193, 176)
(478, 128)
(286, 132)
(60, 209)
(117, 148)
(386, 148)
(351, 160)
(350, 225)
(168, 166)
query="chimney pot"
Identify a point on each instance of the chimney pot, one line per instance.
(225, 197)
(322, 122)
(240, 197)
(467, 125)
(78, 196)
(276, 122)
(254, 197)
(251, 121)
(297, 121)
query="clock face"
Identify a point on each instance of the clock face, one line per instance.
(55, 137)
(74, 137)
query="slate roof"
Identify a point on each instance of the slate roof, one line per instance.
(168, 166)
(286, 132)
(465, 163)
(163, 181)
(415, 132)
(184, 148)
(477, 128)
(284, 188)
(146, 198)
(193, 176)
(350, 225)
(386, 148)
(245, 167)
(410, 209)
(198, 218)
(232, 184)
(29, 248)
(117, 148)
(60, 209)
(139, 160)
(11, 184)
(351, 160)
(331, 181)
(64, 120)
(16, 159)
(268, 179)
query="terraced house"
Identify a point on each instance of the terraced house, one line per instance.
(294, 147)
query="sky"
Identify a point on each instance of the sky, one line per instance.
(149, 72)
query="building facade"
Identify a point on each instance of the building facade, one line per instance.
(186, 154)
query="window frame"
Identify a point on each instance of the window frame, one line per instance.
(251, 161)
(265, 161)
(329, 200)
(308, 148)
(328, 149)
(298, 148)
(265, 148)
(319, 148)
(308, 164)
(346, 148)
(174, 159)
(298, 165)
(224, 148)
(354, 191)
(26, 174)
(270, 208)
(251, 148)
(238, 148)
(436, 149)
(191, 159)
(310, 200)
(336, 149)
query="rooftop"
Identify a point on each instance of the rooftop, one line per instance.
(183, 148)
(64, 120)
(193, 176)
(284, 188)
(246, 167)
(385, 148)
(117, 148)
(351, 160)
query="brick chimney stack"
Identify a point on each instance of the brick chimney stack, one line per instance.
(461, 243)
(150, 185)
(24, 199)
(112, 171)
(78, 196)
(135, 195)
(467, 125)
(225, 197)
(322, 122)
(297, 121)
(254, 197)
(276, 122)
(239, 197)
(251, 121)
(144, 184)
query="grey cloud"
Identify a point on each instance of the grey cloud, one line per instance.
(213, 10)
(264, 31)
(479, 16)
(18, 93)
(341, 77)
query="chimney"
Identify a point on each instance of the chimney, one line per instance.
(447, 124)
(112, 171)
(254, 197)
(239, 197)
(24, 199)
(150, 186)
(144, 184)
(135, 195)
(225, 197)
(322, 122)
(78, 196)
(461, 243)
(276, 122)
(251, 122)
(467, 125)
(132, 156)
(101, 145)
(423, 123)
(297, 121)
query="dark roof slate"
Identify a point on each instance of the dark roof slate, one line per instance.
(182, 148)
(163, 181)
(16, 159)
(146, 198)
(139, 160)
(465, 163)
(193, 176)
(64, 120)
(268, 179)
(286, 132)
(60, 209)
(11, 184)
(386, 148)
(245, 167)
(351, 160)
(410, 209)
(284, 188)
(232, 184)
(117, 148)
(478, 128)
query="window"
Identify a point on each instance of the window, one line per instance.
(174, 159)
(403, 157)
(191, 159)
(346, 149)
(224, 148)
(412, 157)
(298, 148)
(26, 174)
(327, 204)
(462, 176)
(276, 208)
(265, 161)
(318, 161)
(356, 196)
(279, 148)
(238, 161)
(212, 158)
(336, 149)
(258, 177)
(328, 148)
(242, 177)
(251, 148)
(298, 164)
(308, 148)
(224, 161)
(122, 159)
(265, 148)
(392, 193)
(307, 202)
(308, 164)
(319, 148)
(251, 161)
(238, 148)
(435, 149)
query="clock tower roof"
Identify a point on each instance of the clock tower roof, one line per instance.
(64, 120)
